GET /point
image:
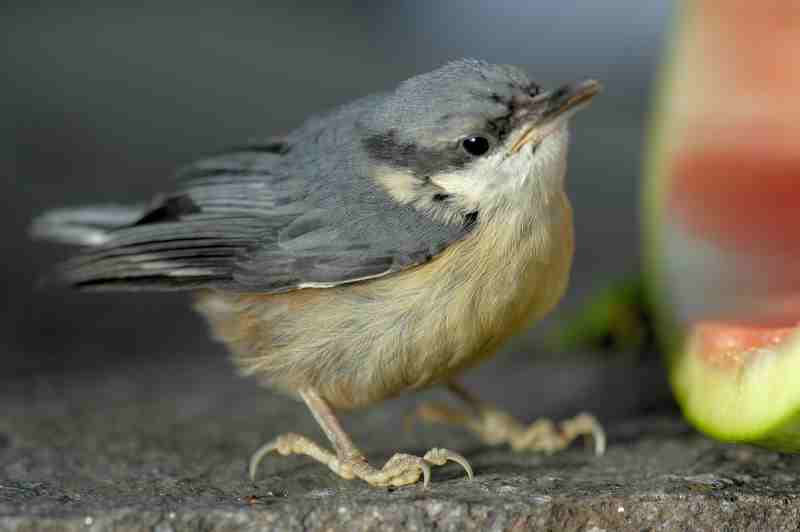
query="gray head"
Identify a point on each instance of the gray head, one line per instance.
(469, 137)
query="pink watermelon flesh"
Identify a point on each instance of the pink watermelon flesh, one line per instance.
(731, 346)
(741, 191)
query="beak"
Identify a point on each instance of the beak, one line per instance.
(551, 107)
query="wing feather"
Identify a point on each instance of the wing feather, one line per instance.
(248, 221)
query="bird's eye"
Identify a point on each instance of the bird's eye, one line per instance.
(476, 146)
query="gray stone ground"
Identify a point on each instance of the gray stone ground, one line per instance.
(164, 447)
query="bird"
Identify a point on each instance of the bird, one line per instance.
(379, 248)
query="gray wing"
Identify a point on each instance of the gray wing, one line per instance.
(249, 221)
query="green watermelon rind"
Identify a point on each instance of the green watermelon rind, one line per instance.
(758, 403)
(669, 332)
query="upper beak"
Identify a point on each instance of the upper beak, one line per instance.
(547, 108)
(568, 99)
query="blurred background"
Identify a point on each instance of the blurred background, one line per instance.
(101, 103)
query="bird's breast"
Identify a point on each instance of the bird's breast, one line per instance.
(511, 272)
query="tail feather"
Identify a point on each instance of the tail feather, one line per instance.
(89, 225)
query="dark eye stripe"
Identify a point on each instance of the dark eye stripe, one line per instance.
(422, 161)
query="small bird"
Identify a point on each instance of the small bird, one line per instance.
(383, 247)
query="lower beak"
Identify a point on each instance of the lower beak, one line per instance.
(558, 104)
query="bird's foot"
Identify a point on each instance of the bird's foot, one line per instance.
(495, 427)
(404, 469)
(400, 470)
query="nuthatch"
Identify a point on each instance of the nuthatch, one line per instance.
(383, 247)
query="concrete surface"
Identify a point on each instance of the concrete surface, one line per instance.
(164, 447)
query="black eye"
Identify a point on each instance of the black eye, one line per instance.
(476, 146)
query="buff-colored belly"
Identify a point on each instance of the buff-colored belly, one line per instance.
(360, 343)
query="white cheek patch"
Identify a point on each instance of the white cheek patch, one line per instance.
(475, 182)
(509, 178)
(407, 189)
(401, 185)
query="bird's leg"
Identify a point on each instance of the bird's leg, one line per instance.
(495, 427)
(347, 461)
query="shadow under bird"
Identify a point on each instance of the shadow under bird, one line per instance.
(383, 247)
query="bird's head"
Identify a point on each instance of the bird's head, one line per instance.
(471, 137)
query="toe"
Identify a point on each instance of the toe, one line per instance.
(409, 468)
(279, 444)
(442, 456)
(587, 425)
(412, 473)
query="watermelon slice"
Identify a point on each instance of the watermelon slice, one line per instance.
(722, 219)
